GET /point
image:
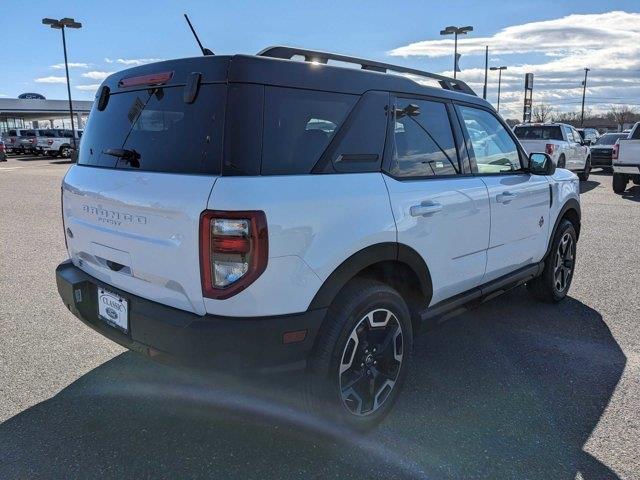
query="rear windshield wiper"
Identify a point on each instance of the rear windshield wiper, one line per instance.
(130, 156)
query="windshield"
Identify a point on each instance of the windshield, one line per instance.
(538, 133)
(157, 128)
(611, 138)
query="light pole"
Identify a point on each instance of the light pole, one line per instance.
(499, 81)
(486, 67)
(61, 25)
(456, 31)
(584, 91)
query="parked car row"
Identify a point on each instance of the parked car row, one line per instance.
(52, 141)
(580, 150)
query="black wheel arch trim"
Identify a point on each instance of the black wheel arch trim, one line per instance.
(368, 256)
(571, 204)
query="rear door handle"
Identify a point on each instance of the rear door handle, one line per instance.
(425, 209)
(505, 197)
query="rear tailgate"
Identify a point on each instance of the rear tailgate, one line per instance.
(138, 231)
(132, 218)
(534, 146)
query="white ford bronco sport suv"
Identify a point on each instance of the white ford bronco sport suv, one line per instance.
(561, 142)
(317, 218)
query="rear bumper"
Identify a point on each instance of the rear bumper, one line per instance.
(600, 160)
(176, 336)
(628, 168)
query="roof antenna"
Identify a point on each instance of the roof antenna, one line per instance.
(205, 51)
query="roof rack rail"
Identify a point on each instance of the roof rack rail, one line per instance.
(323, 57)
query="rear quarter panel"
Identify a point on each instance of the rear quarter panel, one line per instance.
(315, 222)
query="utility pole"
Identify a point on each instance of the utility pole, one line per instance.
(486, 68)
(456, 31)
(584, 91)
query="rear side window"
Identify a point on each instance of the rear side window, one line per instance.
(12, 133)
(298, 127)
(423, 141)
(538, 133)
(636, 133)
(158, 131)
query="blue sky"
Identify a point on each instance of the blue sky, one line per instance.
(119, 33)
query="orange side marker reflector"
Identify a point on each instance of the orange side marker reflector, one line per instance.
(294, 337)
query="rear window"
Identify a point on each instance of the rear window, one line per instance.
(610, 138)
(538, 133)
(159, 131)
(298, 127)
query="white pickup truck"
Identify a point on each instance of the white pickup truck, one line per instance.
(561, 142)
(625, 160)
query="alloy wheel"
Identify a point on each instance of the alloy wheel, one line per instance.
(565, 259)
(370, 362)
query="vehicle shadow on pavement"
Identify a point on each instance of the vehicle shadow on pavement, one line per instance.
(588, 185)
(512, 389)
(632, 194)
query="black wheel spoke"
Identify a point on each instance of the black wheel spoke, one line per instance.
(370, 362)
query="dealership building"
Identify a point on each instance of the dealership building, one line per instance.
(32, 110)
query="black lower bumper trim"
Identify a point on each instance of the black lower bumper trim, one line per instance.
(176, 336)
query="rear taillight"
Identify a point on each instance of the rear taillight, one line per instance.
(234, 248)
(615, 151)
(549, 148)
(1, 147)
(32, 141)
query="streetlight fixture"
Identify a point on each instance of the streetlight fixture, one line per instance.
(61, 25)
(451, 29)
(499, 81)
(584, 91)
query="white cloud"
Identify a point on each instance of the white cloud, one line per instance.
(51, 79)
(88, 88)
(134, 62)
(59, 66)
(108, 60)
(96, 75)
(3, 95)
(609, 43)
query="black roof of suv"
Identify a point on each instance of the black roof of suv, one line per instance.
(216, 114)
(274, 66)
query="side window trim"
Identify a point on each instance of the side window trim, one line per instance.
(390, 139)
(472, 158)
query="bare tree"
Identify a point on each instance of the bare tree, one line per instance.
(543, 112)
(621, 114)
(568, 117)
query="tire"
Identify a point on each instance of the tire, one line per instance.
(584, 175)
(562, 161)
(554, 283)
(620, 181)
(65, 152)
(366, 337)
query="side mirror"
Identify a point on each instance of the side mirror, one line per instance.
(541, 164)
(586, 142)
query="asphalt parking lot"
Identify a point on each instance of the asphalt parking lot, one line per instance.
(513, 389)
